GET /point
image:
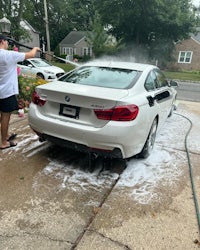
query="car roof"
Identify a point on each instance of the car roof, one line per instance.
(123, 65)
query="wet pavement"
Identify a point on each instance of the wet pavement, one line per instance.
(52, 199)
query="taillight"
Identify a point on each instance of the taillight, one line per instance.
(120, 113)
(36, 99)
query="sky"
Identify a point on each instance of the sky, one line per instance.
(196, 2)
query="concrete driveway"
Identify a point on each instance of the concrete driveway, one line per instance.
(51, 199)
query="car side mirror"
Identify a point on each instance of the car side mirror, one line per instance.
(173, 84)
(30, 65)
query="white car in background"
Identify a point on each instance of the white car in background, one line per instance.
(113, 109)
(38, 67)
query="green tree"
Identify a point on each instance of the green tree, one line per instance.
(13, 10)
(148, 23)
(152, 25)
(57, 19)
(63, 16)
(135, 20)
(100, 40)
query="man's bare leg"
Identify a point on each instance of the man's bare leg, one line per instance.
(5, 119)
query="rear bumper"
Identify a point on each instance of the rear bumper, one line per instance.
(115, 139)
(115, 153)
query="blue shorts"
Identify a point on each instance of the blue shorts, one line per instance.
(9, 104)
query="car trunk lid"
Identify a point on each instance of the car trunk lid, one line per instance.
(69, 102)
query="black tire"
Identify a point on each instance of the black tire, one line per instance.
(149, 144)
(40, 75)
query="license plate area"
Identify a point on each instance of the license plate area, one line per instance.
(69, 111)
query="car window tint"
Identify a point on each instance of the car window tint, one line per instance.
(26, 63)
(150, 81)
(161, 79)
(103, 77)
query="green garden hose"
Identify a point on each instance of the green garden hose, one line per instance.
(190, 171)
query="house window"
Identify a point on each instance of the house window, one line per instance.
(185, 57)
(67, 51)
(90, 51)
(86, 51)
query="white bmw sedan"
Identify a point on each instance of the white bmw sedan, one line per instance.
(113, 109)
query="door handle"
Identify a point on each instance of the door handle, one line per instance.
(162, 95)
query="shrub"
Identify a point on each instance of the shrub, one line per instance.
(27, 85)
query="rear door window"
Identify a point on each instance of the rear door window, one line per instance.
(150, 81)
(161, 80)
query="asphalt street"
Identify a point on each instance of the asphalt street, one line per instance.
(188, 91)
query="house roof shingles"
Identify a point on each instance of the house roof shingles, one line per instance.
(196, 36)
(73, 37)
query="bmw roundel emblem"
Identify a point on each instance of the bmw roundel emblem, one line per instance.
(67, 98)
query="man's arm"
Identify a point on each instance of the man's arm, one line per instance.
(32, 53)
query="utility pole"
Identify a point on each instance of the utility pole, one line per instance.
(47, 27)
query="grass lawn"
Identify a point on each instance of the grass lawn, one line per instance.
(193, 76)
(65, 66)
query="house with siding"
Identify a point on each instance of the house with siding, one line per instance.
(187, 54)
(75, 43)
(34, 37)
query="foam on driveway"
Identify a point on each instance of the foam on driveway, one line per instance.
(142, 177)
(49, 200)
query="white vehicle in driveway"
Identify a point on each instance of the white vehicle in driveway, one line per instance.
(38, 67)
(112, 109)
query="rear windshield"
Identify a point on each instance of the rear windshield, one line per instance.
(103, 77)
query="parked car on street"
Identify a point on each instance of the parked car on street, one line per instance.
(107, 108)
(40, 68)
